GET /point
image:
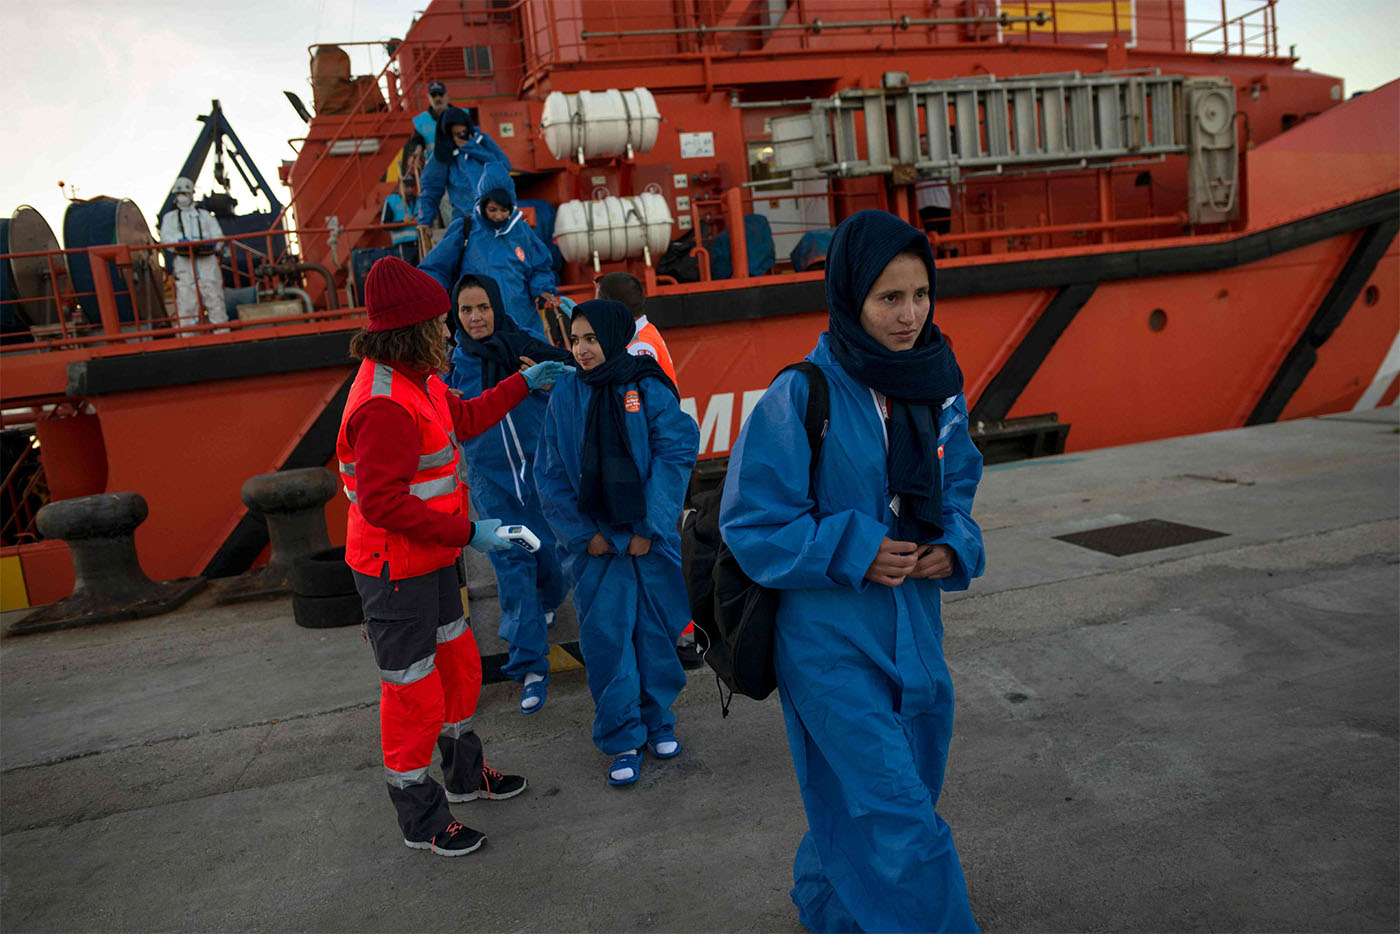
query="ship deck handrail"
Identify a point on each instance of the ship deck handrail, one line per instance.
(1031, 240)
(556, 39)
(254, 258)
(396, 109)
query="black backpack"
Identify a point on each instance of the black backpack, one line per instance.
(678, 262)
(735, 615)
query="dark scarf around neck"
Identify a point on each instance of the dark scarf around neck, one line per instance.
(611, 489)
(502, 349)
(916, 381)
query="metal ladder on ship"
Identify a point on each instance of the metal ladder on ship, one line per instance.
(967, 127)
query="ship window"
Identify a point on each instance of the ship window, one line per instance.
(761, 168)
(477, 59)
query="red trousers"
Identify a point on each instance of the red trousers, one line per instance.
(430, 681)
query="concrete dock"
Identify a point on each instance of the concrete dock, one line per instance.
(1196, 737)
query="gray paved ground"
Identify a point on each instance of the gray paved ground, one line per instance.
(1196, 738)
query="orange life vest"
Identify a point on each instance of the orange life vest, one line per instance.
(647, 342)
(367, 547)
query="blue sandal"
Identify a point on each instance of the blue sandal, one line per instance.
(538, 689)
(626, 760)
(665, 736)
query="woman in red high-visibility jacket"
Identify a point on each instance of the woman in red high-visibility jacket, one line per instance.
(407, 526)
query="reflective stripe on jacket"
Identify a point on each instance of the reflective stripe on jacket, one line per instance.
(436, 482)
(647, 342)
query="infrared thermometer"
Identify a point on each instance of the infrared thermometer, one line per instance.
(519, 535)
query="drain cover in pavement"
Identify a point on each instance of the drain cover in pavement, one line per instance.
(1135, 537)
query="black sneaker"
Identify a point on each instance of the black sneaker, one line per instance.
(494, 785)
(691, 656)
(456, 839)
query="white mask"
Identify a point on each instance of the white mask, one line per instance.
(183, 200)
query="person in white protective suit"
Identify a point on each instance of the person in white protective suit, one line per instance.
(184, 223)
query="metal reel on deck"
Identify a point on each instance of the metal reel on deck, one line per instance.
(38, 280)
(102, 221)
(146, 277)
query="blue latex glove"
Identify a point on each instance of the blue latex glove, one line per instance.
(567, 306)
(543, 375)
(484, 537)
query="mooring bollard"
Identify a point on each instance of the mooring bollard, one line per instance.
(293, 504)
(108, 583)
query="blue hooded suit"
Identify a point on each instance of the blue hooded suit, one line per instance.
(631, 609)
(512, 253)
(500, 463)
(866, 695)
(454, 169)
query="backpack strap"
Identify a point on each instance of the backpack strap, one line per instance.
(817, 418)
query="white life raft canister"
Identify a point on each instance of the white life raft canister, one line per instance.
(614, 228)
(600, 123)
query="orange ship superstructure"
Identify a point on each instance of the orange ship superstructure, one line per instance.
(1146, 227)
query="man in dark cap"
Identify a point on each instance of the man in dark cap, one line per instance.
(426, 122)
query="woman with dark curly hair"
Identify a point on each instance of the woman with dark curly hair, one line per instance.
(407, 526)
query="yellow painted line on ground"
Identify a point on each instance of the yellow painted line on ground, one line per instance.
(561, 660)
(13, 594)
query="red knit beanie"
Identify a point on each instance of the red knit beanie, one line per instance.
(399, 295)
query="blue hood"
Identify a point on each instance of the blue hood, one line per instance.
(496, 183)
(443, 146)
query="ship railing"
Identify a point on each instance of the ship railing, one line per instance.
(23, 492)
(350, 141)
(1253, 32)
(559, 34)
(132, 292)
(1002, 232)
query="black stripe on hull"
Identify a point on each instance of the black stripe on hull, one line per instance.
(182, 366)
(1006, 387)
(766, 301)
(317, 446)
(1331, 312)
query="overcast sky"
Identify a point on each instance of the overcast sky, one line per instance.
(104, 95)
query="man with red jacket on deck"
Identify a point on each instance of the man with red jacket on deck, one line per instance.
(407, 526)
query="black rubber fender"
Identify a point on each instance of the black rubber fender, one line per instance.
(322, 574)
(327, 612)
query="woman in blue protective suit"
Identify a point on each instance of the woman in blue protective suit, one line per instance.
(501, 464)
(860, 562)
(461, 151)
(612, 470)
(501, 245)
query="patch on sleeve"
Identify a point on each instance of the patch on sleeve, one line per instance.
(520, 254)
(632, 402)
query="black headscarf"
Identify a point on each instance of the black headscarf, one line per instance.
(611, 489)
(916, 381)
(443, 144)
(501, 351)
